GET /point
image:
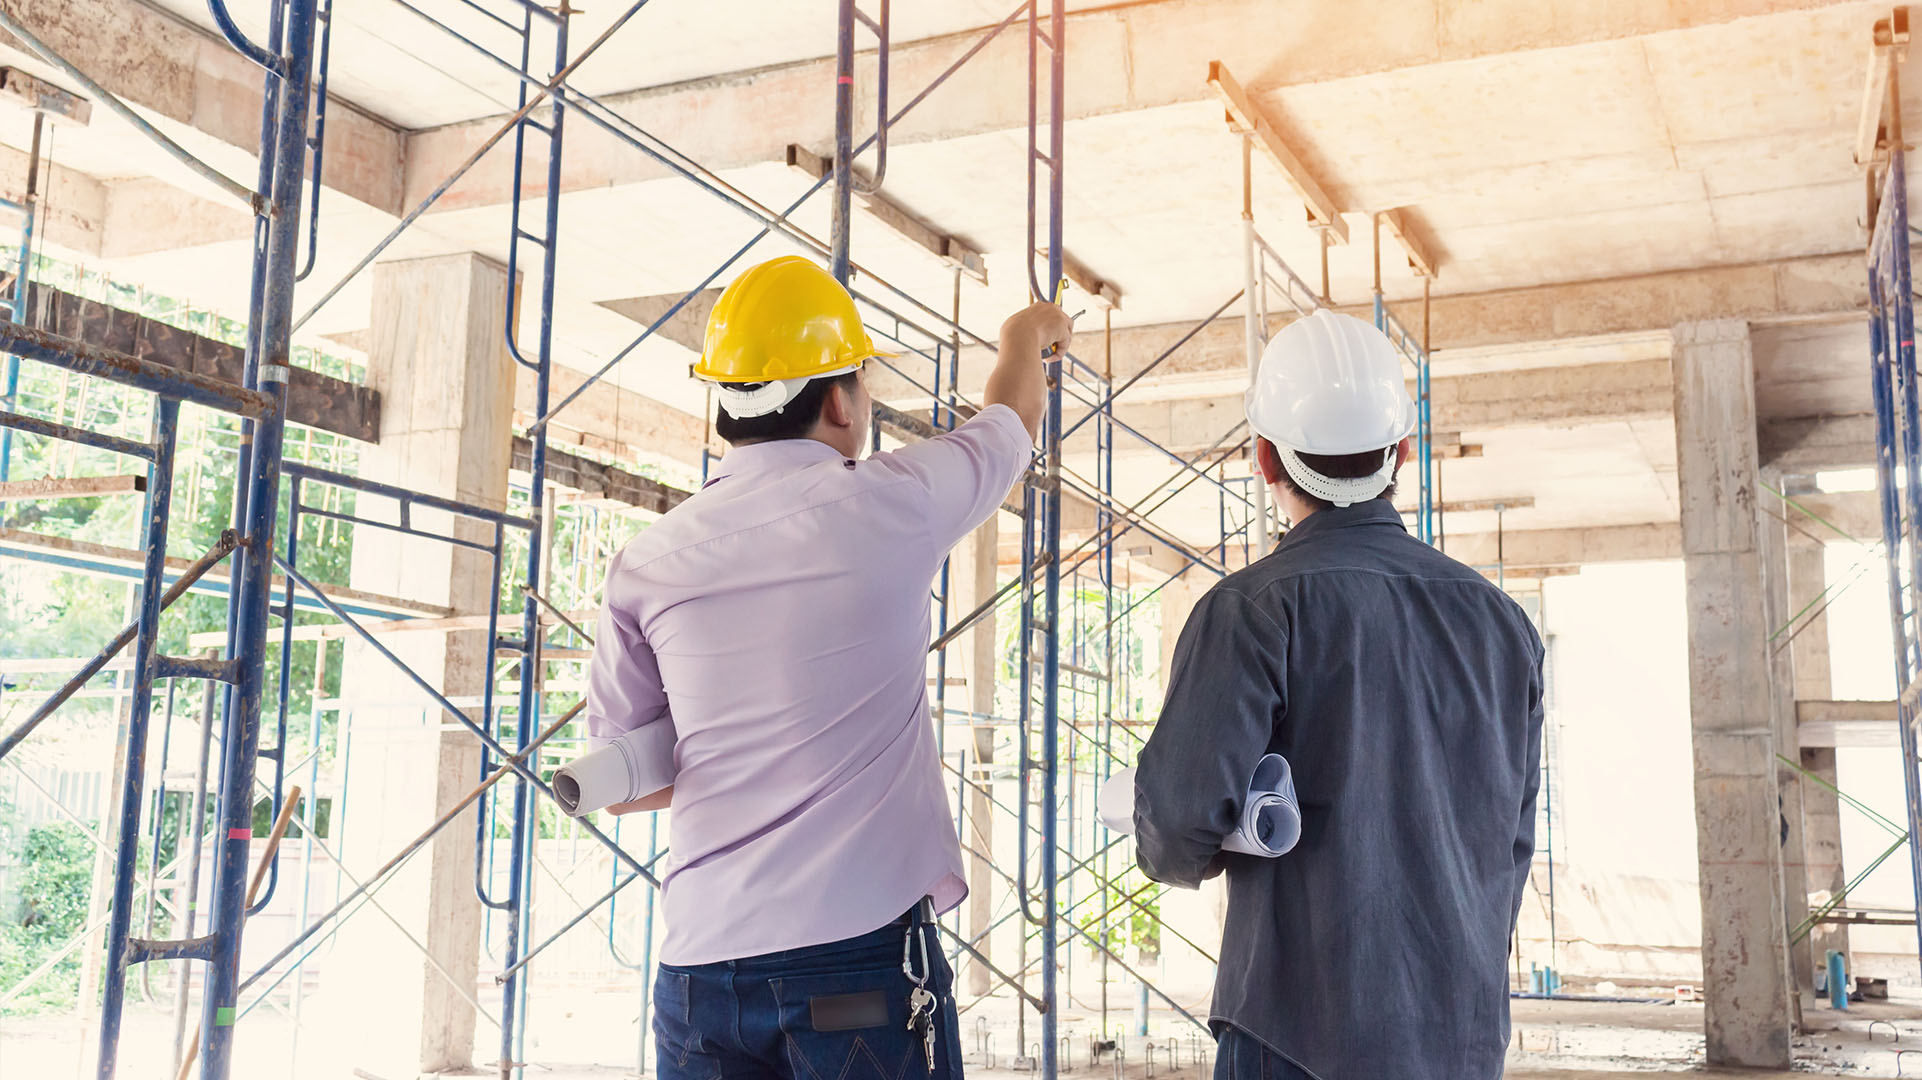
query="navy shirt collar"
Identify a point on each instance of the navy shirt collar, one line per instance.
(1372, 512)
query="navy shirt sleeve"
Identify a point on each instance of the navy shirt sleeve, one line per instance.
(1225, 695)
(1531, 788)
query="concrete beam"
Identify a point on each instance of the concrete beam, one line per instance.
(1124, 58)
(1813, 444)
(688, 327)
(1558, 396)
(313, 399)
(1825, 286)
(1832, 518)
(145, 215)
(593, 479)
(610, 419)
(177, 71)
(1847, 724)
(73, 206)
(1526, 549)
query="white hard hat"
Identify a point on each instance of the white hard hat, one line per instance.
(1332, 384)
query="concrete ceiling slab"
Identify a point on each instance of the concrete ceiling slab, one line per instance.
(666, 42)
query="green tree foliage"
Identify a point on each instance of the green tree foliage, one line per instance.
(47, 907)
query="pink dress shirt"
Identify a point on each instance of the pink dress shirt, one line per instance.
(780, 620)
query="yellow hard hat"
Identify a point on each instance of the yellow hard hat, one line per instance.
(781, 323)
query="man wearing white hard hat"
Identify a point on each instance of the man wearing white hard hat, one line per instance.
(1405, 691)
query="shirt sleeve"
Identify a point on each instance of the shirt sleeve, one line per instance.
(1531, 790)
(967, 472)
(1225, 695)
(624, 689)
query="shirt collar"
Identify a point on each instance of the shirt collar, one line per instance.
(1371, 512)
(780, 455)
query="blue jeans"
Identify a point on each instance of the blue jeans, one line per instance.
(825, 1012)
(1238, 1056)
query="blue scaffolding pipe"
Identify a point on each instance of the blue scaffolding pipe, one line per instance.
(268, 357)
(514, 999)
(1105, 406)
(779, 222)
(292, 33)
(27, 208)
(509, 126)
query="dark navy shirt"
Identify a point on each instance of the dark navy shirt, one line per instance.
(1405, 691)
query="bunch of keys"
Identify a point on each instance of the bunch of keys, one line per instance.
(921, 1014)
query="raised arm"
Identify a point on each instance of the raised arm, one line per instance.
(1019, 379)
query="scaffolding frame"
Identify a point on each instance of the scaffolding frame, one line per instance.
(260, 401)
(1070, 677)
(1898, 427)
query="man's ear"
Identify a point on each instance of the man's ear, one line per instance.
(1401, 451)
(837, 408)
(1267, 460)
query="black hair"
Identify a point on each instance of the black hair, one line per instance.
(1341, 467)
(794, 421)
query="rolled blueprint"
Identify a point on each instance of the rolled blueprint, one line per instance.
(1270, 816)
(636, 763)
(1115, 804)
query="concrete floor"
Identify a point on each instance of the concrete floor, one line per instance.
(581, 1035)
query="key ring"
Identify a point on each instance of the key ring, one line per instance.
(907, 950)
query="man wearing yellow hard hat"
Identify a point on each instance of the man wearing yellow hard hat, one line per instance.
(779, 621)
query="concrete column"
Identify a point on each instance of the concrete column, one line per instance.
(1738, 818)
(974, 573)
(436, 354)
(1773, 548)
(1821, 810)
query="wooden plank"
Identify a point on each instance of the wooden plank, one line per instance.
(1886, 34)
(1398, 227)
(72, 487)
(1245, 117)
(447, 624)
(1101, 291)
(85, 557)
(949, 249)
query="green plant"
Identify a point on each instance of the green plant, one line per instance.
(48, 908)
(1128, 912)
